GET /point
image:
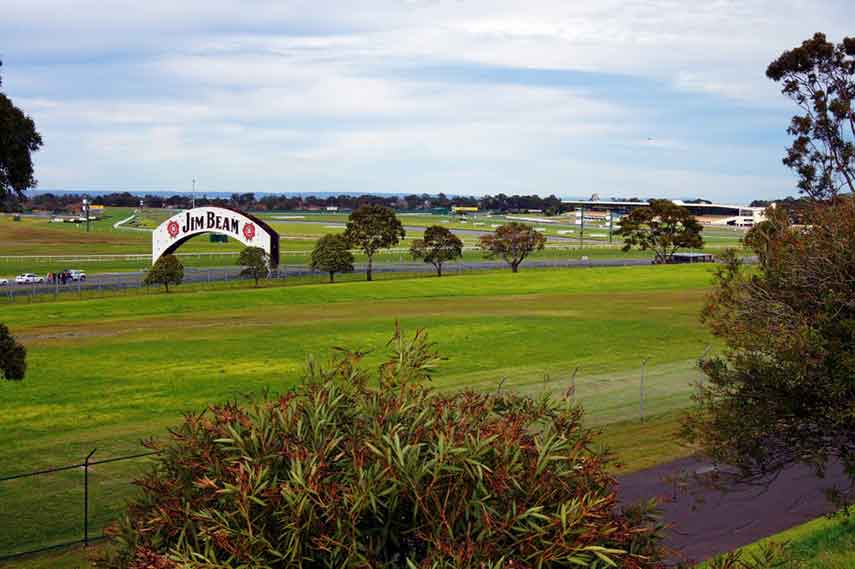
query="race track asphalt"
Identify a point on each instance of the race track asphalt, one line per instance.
(721, 522)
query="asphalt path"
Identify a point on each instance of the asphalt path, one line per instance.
(722, 522)
(121, 280)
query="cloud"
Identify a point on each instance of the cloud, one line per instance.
(464, 96)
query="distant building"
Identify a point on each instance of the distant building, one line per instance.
(706, 213)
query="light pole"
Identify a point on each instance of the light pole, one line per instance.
(86, 209)
(194, 193)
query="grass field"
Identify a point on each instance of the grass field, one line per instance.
(106, 373)
(37, 236)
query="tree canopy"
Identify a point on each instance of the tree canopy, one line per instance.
(820, 78)
(255, 262)
(371, 228)
(18, 140)
(438, 246)
(332, 255)
(167, 270)
(782, 392)
(13, 356)
(662, 227)
(513, 242)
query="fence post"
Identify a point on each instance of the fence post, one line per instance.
(641, 399)
(573, 384)
(701, 366)
(86, 498)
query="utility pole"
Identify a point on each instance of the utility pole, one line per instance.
(86, 209)
(194, 192)
(641, 398)
(611, 225)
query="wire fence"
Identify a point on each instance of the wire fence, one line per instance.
(64, 506)
(54, 508)
(386, 266)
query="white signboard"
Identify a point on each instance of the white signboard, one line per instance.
(247, 229)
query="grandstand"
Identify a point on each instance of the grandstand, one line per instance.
(706, 213)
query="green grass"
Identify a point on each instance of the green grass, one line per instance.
(823, 543)
(636, 446)
(108, 372)
(37, 236)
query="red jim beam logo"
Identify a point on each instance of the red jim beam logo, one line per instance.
(173, 229)
(249, 231)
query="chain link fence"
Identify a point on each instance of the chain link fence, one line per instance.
(68, 505)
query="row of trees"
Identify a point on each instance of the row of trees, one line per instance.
(663, 228)
(249, 201)
(372, 228)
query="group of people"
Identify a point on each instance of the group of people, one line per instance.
(61, 277)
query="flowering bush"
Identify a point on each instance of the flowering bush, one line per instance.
(336, 473)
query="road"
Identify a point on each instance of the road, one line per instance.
(724, 522)
(107, 281)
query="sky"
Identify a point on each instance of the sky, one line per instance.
(647, 98)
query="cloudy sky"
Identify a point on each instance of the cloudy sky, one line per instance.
(571, 97)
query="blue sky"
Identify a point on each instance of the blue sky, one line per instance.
(621, 98)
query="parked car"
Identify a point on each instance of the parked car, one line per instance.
(77, 275)
(28, 278)
(4, 282)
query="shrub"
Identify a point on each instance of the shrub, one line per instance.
(337, 474)
(13, 356)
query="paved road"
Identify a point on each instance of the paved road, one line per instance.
(724, 522)
(191, 275)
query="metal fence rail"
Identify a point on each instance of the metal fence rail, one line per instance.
(85, 517)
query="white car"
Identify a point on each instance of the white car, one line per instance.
(4, 282)
(27, 278)
(77, 275)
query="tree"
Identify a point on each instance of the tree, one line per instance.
(513, 242)
(438, 246)
(167, 270)
(13, 356)
(18, 140)
(351, 469)
(782, 392)
(820, 78)
(373, 227)
(332, 255)
(255, 262)
(662, 227)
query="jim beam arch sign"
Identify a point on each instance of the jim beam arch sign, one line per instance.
(247, 229)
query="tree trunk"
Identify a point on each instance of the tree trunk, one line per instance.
(368, 272)
(439, 270)
(515, 267)
(167, 286)
(332, 276)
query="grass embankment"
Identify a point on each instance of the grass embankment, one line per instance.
(106, 373)
(823, 543)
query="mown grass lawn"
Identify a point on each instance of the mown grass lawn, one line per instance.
(106, 373)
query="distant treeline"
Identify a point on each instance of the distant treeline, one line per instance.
(248, 201)
(551, 205)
